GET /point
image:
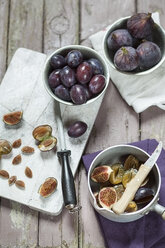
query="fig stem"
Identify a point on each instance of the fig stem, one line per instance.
(125, 51)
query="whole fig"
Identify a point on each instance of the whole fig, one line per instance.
(126, 59)
(149, 54)
(140, 25)
(119, 38)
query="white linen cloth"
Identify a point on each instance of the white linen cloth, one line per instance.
(139, 91)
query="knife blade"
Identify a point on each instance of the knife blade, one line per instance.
(131, 188)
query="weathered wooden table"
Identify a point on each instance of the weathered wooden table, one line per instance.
(45, 26)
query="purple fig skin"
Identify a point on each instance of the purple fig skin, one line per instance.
(149, 54)
(126, 59)
(119, 38)
(140, 25)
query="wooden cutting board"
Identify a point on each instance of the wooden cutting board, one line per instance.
(22, 89)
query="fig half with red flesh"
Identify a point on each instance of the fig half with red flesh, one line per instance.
(107, 197)
(12, 118)
(101, 174)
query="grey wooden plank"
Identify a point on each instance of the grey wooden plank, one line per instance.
(116, 122)
(25, 30)
(153, 119)
(4, 11)
(25, 26)
(60, 29)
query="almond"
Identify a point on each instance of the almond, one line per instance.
(28, 172)
(17, 160)
(17, 143)
(27, 149)
(4, 174)
(20, 184)
(12, 180)
(13, 118)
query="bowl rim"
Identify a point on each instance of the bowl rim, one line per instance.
(69, 47)
(104, 45)
(140, 211)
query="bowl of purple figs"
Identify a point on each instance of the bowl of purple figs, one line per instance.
(75, 75)
(135, 44)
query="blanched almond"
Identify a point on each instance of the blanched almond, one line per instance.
(20, 184)
(4, 174)
(17, 143)
(28, 172)
(17, 160)
(27, 149)
(12, 180)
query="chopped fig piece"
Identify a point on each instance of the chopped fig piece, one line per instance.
(28, 172)
(17, 160)
(48, 144)
(101, 174)
(42, 132)
(20, 184)
(117, 173)
(12, 180)
(27, 149)
(96, 195)
(128, 175)
(144, 195)
(12, 118)
(48, 187)
(4, 174)
(17, 143)
(107, 197)
(132, 207)
(119, 190)
(131, 162)
(5, 147)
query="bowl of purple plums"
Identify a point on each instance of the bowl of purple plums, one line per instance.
(75, 75)
(135, 44)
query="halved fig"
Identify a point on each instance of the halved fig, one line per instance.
(144, 195)
(5, 147)
(117, 173)
(128, 175)
(132, 207)
(47, 144)
(13, 118)
(42, 132)
(107, 197)
(48, 187)
(101, 174)
(131, 162)
(119, 190)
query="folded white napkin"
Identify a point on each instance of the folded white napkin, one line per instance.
(141, 91)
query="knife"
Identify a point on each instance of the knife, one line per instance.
(131, 188)
(67, 180)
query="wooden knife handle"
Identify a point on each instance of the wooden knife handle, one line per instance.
(131, 188)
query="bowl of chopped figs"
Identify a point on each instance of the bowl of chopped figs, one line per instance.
(108, 177)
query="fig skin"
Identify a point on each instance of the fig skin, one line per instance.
(101, 174)
(117, 173)
(126, 59)
(149, 54)
(107, 197)
(119, 38)
(140, 25)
